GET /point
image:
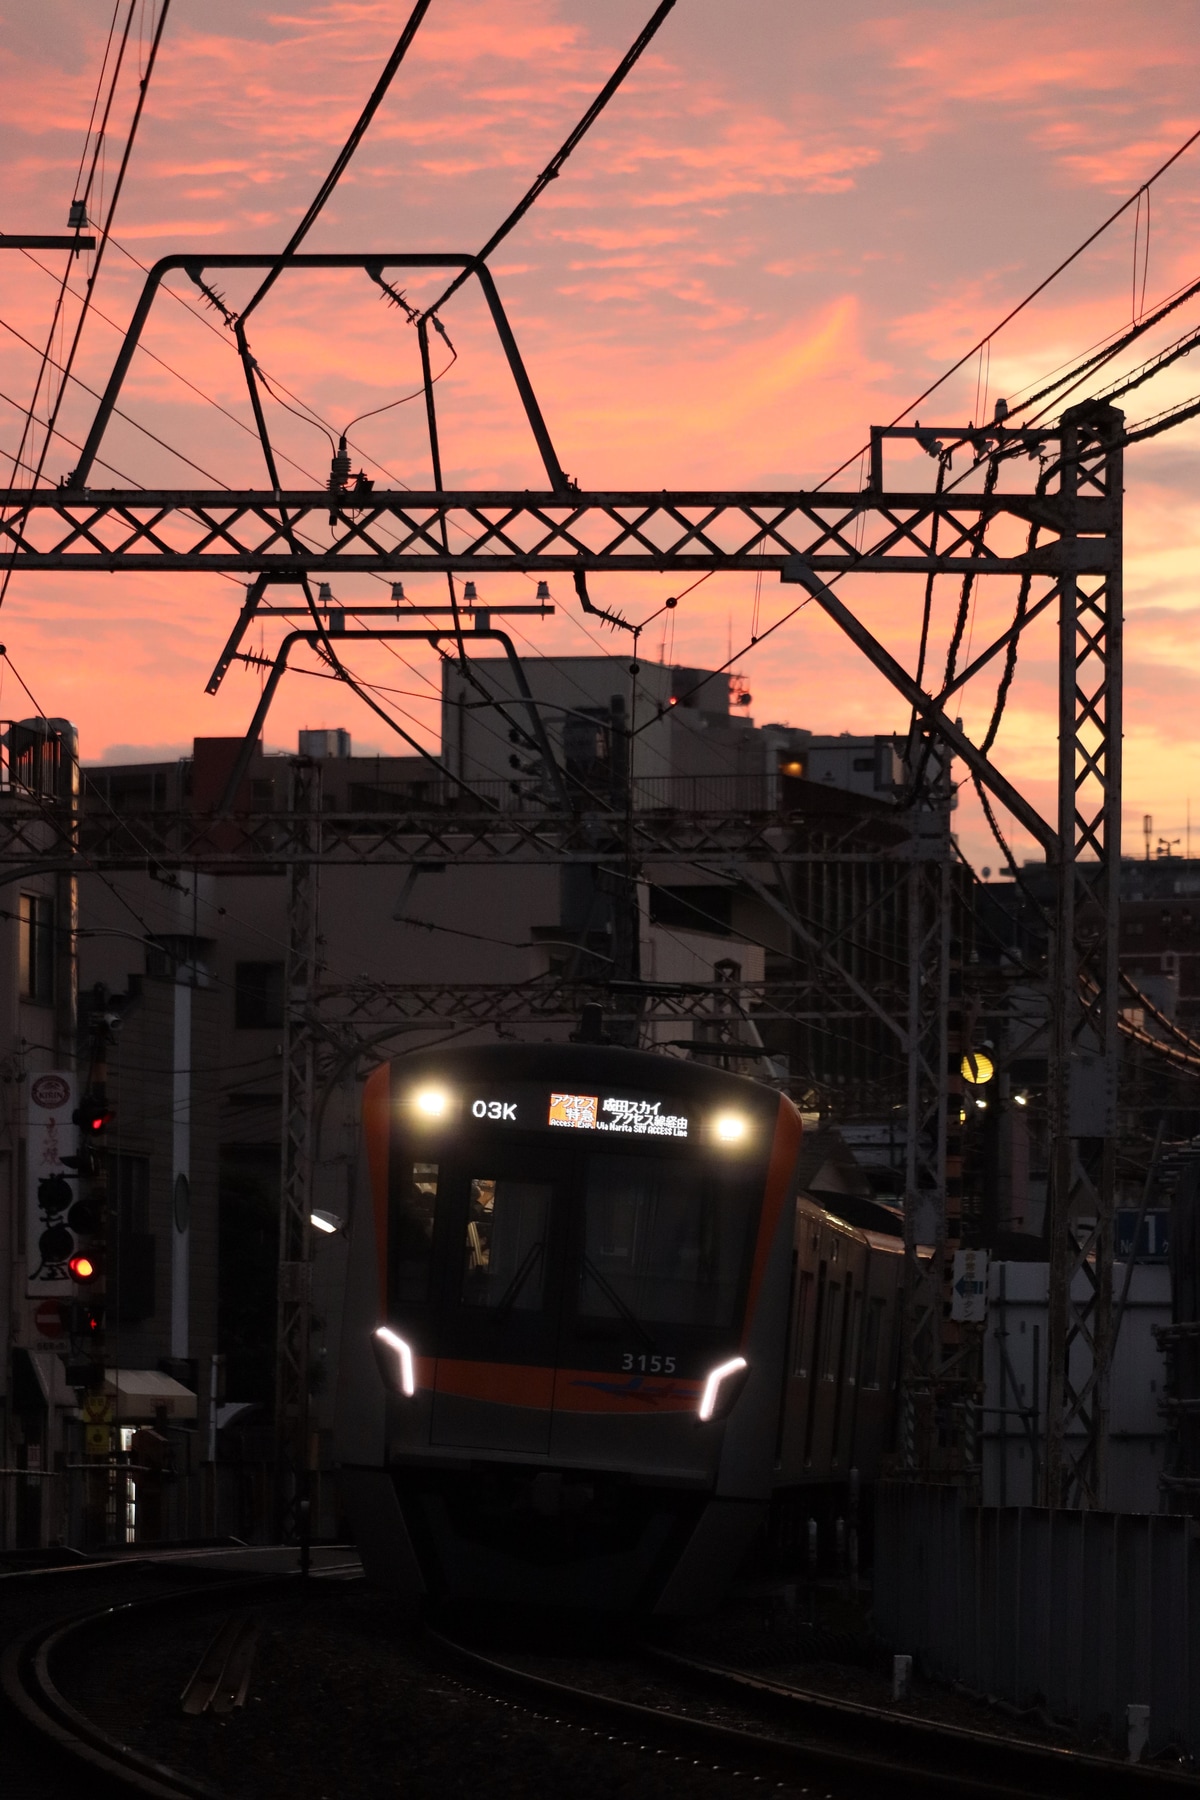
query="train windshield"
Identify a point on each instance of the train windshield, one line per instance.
(504, 1253)
(665, 1240)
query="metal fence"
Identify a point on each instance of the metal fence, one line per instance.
(1083, 1613)
(99, 1505)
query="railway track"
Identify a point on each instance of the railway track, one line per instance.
(812, 1743)
(691, 1722)
(44, 1615)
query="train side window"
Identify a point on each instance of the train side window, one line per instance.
(803, 1307)
(831, 1335)
(852, 1339)
(412, 1233)
(504, 1251)
(871, 1342)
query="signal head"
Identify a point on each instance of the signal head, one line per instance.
(92, 1115)
(54, 1194)
(84, 1218)
(55, 1243)
(83, 1269)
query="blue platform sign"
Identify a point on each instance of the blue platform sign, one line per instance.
(1154, 1239)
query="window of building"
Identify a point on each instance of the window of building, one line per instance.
(129, 1210)
(258, 996)
(37, 947)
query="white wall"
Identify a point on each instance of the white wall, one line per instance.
(1137, 1442)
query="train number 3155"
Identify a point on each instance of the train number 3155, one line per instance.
(649, 1365)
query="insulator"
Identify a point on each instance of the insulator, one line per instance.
(397, 591)
(469, 594)
(339, 473)
(543, 590)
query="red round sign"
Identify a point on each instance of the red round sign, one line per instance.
(48, 1319)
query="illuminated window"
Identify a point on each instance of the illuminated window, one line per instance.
(504, 1251)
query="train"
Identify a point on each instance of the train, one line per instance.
(595, 1337)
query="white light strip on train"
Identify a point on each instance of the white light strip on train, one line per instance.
(712, 1387)
(404, 1358)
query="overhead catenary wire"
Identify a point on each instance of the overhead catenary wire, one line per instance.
(64, 282)
(1028, 300)
(343, 158)
(114, 201)
(555, 166)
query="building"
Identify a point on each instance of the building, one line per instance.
(183, 975)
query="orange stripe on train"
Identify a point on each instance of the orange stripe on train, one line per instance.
(565, 1390)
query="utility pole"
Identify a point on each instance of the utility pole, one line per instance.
(293, 1450)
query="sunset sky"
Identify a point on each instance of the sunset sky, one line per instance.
(789, 221)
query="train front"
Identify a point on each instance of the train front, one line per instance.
(561, 1370)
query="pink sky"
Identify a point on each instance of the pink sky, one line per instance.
(789, 221)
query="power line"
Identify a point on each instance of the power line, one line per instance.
(131, 138)
(1027, 301)
(53, 431)
(347, 151)
(554, 167)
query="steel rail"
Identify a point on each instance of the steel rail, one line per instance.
(880, 1753)
(1034, 1768)
(29, 1686)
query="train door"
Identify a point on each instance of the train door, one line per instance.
(496, 1332)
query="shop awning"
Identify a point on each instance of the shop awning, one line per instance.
(140, 1392)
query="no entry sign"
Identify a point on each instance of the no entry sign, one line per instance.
(47, 1319)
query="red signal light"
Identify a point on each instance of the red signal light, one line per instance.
(82, 1269)
(92, 1116)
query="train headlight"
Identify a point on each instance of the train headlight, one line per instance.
(432, 1102)
(722, 1387)
(396, 1362)
(730, 1128)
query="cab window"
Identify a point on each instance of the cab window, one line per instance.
(504, 1251)
(664, 1240)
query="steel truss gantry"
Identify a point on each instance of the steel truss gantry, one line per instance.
(1065, 528)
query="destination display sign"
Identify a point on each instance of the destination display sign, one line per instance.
(623, 1115)
(634, 1118)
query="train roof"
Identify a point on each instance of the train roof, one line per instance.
(611, 1064)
